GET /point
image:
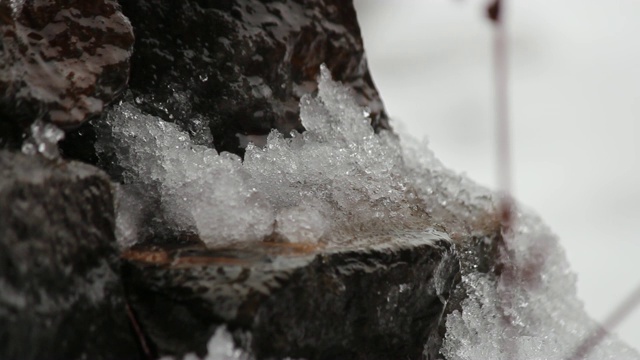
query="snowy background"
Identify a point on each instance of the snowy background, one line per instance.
(575, 110)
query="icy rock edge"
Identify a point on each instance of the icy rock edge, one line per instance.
(530, 310)
(219, 347)
(340, 178)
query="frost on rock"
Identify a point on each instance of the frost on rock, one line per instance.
(300, 223)
(529, 310)
(194, 185)
(339, 180)
(453, 201)
(527, 307)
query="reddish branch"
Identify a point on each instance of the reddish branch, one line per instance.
(139, 333)
(619, 314)
(496, 13)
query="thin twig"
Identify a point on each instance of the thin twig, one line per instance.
(620, 313)
(496, 12)
(138, 330)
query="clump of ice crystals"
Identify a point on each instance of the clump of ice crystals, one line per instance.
(194, 184)
(43, 139)
(337, 175)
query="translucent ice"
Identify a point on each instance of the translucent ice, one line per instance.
(43, 139)
(194, 185)
(219, 347)
(300, 223)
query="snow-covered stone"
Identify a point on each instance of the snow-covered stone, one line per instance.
(338, 183)
(527, 310)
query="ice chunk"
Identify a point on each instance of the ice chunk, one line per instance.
(300, 224)
(219, 347)
(43, 139)
(195, 186)
(128, 206)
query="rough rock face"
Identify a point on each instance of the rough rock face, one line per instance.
(60, 296)
(477, 254)
(59, 61)
(379, 299)
(237, 69)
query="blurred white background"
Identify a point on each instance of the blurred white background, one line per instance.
(575, 113)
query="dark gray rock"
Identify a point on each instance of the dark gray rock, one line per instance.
(60, 61)
(236, 69)
(60, 296)
(373, 300)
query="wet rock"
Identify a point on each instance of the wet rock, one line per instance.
(61, 62)
(476, 230)
(236, 69)
(477, 254)
(381, 298)
(60, 296)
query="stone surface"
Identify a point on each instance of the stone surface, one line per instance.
(238, 68)
(61, 62)
(477, 254)
(380, 298)
(60, 296)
